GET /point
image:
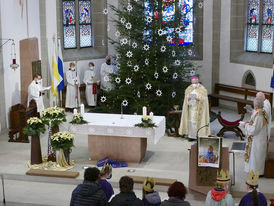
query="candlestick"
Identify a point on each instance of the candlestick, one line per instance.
(144, 111)
(151, 116)
(82, 109)
(75, 111)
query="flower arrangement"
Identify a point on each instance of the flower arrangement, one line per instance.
(78, 119)
(35, 126)
(62, 140)
(146, 122)
(54, 114)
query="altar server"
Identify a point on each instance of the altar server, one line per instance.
(35, 93)
(105, 72)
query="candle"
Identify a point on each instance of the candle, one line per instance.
(144, 111)
(151, 116)
(75, 111)
(82, 109)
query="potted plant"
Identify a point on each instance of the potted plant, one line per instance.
(62, 142)
(34, 128)
(78, 119)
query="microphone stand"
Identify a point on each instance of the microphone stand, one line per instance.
(207, 125)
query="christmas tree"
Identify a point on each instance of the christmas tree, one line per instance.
(153, 45)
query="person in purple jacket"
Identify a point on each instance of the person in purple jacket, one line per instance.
(253, 197)
(105, 174)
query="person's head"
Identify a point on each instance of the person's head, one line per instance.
(258, 103)
(210, 149)
(223, 180)
(72, 66)
(91, 65)
(260, 95)
(177, 190)
(148, 185)
(92, 174)
(194, 80)
(126, 184)
(108, 60)
(37, 77)
(252, 184)
(106, 172)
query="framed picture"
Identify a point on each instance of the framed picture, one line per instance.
(209, 151)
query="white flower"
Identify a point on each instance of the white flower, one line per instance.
(129, 63)
(129, 8)
(138, 94)
(146, 47)
(160, 32)
(158, 92)
(117, 80)
(169, 38)
(156, 75)
(123, 20)
(129, 54)
(189, 52)
(105, 11)
(149, 19)
(173, 53)
(173, 94)
(128, 80)
(134, 45)
(177, 62)
(200, 5)
(175, 75)
(192, 72)
(128, 26)
(148, 86)
(124, 102)
(146, 61)
(117, 33)
(136, 68)
(178, 30)
(165, 69)
(106, 78)
(163, 48)
(103, 99)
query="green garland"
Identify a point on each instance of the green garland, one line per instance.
(34, 127)
(146, 123)
(78, 119)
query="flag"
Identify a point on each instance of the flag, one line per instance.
(60, 67)
(55, 77)
(272, 78)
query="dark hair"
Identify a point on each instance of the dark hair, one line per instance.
(177, 190)
(91, 63)
(92, 174)
(126, 184)
(37, 75)
(254, 195)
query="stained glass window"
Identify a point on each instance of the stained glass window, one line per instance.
(77, 19)
(168, 9)
(260, 26)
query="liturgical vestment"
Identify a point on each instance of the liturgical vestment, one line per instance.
(91, 82)
(34, 93)
(72, 94)
(195, 114)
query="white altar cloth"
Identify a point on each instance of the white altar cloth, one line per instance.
(113, 125)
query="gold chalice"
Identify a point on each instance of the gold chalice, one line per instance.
(176, 107)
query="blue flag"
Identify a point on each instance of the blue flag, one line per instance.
(60, 67)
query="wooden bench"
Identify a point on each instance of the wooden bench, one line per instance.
(244, 98)
(158, 181)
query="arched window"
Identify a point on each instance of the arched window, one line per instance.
(249, 80)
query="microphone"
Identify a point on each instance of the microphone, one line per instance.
(207, 125)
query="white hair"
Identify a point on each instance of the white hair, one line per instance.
(259, 102)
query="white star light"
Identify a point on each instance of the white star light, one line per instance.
(123, 41)
(178, 30)
(165, 69)
(146, 47)
(173, 94)
(177, 62)
(129, 63)
(146, 61)
(156, 75)
(128, 26)
(158, 92)
(173, 53)
(148, 86)
(124, 102)
(169, 38)
(117, 33)
(189, 52)
(138, 94)
(123, 20)
(163, 49)
(128, 80)
(192, 72)
(200, 5)
(136, 68)
(106, 78)
(129, 54)
(129, 8)
(175, 75)
(105, 11)
(149, 19)
(160, 32)
(134, 45)
(103, 99)
(117, 80)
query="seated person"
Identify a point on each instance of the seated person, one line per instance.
(210, 156)
(150, 197)
(106, 186)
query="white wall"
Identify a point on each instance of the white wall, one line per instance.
(15, 27)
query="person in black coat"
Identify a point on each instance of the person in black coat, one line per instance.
(90, 193)
(126, 197)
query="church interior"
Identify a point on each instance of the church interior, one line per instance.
(119, 73)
